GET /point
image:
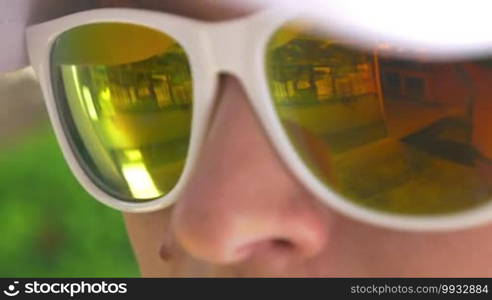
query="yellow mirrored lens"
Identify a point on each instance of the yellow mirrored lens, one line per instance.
(405, 136)
(125, 94)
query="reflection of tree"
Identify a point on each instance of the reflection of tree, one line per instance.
(302, 59)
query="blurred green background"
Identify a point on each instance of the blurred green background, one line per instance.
(49, 226)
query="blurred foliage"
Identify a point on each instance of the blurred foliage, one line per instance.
(49, 226)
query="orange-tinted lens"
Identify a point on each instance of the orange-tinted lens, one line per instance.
(408, 136)
(124, 93)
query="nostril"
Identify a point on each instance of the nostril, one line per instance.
(277, 244)
(283, 244)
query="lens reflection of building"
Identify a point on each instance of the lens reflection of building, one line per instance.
(449, 100)
(141, 86)
(407, 95)
(141, 113)
(386, 123)
(307, 68)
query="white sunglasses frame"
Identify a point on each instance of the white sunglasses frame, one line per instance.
(235, 47)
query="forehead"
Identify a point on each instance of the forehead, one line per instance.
(212, 10)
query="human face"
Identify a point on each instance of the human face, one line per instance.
(244, 214)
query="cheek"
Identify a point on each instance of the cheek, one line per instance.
(147, 233)
(396, 253)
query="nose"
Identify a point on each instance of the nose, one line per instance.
(242, 202)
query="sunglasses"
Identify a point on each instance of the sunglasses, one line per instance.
(392, 140)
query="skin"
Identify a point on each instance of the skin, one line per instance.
(245, 214)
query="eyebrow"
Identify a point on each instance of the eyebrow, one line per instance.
(209, 10)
